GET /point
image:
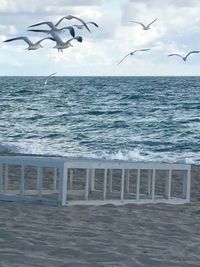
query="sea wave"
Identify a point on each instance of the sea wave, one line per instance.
(135, 155)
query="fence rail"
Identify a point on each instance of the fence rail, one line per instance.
(71, 181)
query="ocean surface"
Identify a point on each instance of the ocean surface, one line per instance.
(134, 118)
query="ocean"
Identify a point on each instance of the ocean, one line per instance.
(130, 118)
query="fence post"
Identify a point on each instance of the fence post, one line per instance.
(63, 177)
(188, 185)
(149, 182)
(87, 184)
(70, 179)
(128, 181)
(105, 184)
(168, 184)
(55, 179)
(122, 184)
(138, 185)
(92, 180)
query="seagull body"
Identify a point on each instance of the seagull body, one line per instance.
(80, 27)
(145, 27)
(69, 17)
(184, 58)
(132, 53)
(60, 44)
(49, 77)
(31, 45)
(54, 28)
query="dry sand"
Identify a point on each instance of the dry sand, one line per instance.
(131, 235)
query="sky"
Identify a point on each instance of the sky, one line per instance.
(176, 30)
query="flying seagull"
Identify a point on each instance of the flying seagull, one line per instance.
(49, 77)
(69, 17)
(145, 27)
(31, 45)
(55, 28)
(80, 27)
(60, 44)
(132, 53)
(184, 58)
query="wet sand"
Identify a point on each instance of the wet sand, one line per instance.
(132, 235)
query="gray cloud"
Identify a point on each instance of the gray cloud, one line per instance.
(158, 3)
(35, 6)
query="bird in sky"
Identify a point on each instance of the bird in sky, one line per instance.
(69, 17)
(31, 45)
(60, 44)
(132, 53)
(54, 27)
(145, 27)
(49, 77)
(80, 27)
(184, 58)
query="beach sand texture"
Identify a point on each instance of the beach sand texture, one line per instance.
(130, 235)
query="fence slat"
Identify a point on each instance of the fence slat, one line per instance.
(138, 185)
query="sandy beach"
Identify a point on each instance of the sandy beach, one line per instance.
(130, 235)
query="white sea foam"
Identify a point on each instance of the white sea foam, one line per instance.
(131, 155)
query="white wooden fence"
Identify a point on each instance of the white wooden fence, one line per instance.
(72, 181)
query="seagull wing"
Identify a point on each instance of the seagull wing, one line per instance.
(52, 74)
(26, 39)
(123, 58)
(46, 31)
(71, 30)
(49, 23)
(55, 36)
(49, 77)
(73, 17)
(78, 38)
(175, 55)
(137, 22)
(145, 49)
(60, 20)
(191, 52)
(91, 22)
(151, 22)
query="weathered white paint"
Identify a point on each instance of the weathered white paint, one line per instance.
(127, 181)
(138, 185)
(55, 174)
(61, 165)
(70, 179)
(169, 184)
(92, 179)
(87, 183)
(110, 180)
(105, 184)
(149, 182)
(188, 185)
(122, 184)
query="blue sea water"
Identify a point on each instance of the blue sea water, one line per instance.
(137, 118)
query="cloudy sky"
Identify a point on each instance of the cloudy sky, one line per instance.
(177, 30)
